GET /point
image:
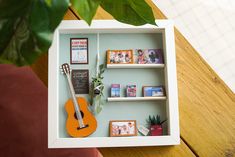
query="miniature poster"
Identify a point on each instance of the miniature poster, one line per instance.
(79, 51)
(80, 81)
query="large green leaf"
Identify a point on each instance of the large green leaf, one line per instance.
(143, 10)
(27, 27)
(135, 12)
(86, 8)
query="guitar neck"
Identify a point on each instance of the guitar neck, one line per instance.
(75, 103)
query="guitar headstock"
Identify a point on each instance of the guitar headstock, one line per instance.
(65, 68)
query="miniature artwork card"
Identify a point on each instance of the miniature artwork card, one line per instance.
(148, 56)
(79, 51)
(120, 56)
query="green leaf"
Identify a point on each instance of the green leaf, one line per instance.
(135, 12)
(163, 122)
(98, 109)
(48, 2)
(143, 10)
(154, 119)
(86, 9)
(3, 61)
(27, 28)
(101, 66)
(9, 20)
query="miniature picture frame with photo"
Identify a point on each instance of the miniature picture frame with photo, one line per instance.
(120, 57)
(148, 56)
(79, 51)
(119, 128)
(153, 91)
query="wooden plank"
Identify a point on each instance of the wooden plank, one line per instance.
(168, 151)
(70, 15)
(207, 105)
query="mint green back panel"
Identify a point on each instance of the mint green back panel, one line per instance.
(137, 110)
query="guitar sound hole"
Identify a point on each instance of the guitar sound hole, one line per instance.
(75, 116)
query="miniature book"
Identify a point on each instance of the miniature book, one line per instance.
(131, 90)
(115, 90)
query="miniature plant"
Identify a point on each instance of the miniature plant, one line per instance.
(155, 125)
(155, 120)
(96, 92)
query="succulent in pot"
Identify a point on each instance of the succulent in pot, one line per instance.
(155, 125)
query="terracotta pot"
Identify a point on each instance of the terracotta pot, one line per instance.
(156, 130)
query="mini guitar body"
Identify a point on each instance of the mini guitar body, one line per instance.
(72, 124)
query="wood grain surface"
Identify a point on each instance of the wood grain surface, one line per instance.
(207, 105)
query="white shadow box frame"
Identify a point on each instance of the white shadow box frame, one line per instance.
(165, 27)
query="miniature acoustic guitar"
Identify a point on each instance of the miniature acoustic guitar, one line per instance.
(80, 121)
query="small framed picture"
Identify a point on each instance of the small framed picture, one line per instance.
(115, 90)
(148, 56)
(123, 128)
(120, 56)
(131, 90)
(153, 91)
(79, 50)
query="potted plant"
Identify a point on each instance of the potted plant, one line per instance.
(96, 92)
(155, 125)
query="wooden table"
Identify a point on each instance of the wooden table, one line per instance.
(207, 105)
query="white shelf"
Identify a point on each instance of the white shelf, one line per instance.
(111, 99)
(135, 65)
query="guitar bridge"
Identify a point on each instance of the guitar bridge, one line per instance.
(78, 128)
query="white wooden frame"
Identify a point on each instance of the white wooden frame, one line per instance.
(100, 26)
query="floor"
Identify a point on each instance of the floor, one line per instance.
(209, 25)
